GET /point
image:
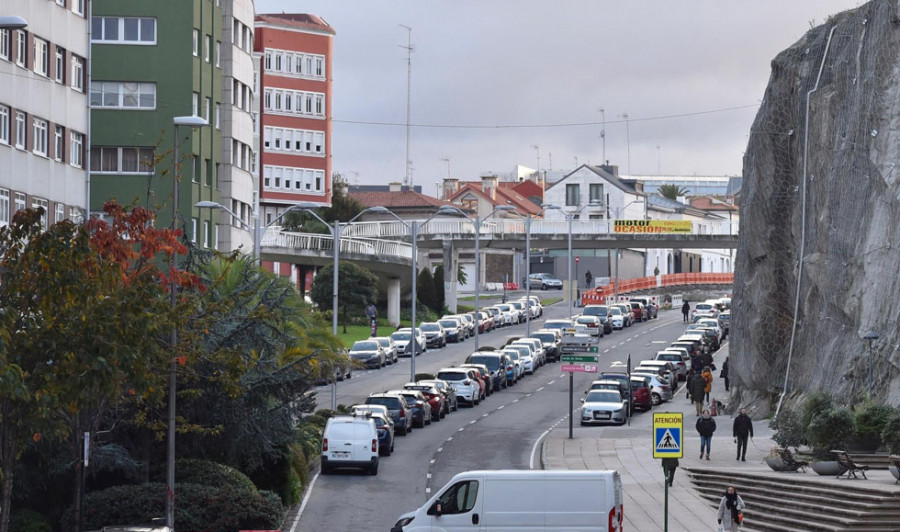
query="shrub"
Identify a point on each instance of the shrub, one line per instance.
(871, 419)
(207, 473)
(830, 429)
(813, 405)
(197, 507)
(890, 435)
(26, 520)
(788, 430)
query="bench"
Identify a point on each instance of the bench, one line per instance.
(848, 466)
(791, 463)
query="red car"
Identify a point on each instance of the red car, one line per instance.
(640, 392)
(639, 311)
(436, 399)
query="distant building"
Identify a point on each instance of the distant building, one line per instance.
(722, 186)
(44, 110)
(405, 203)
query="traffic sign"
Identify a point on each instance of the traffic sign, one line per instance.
(667, 435)
(579, 358)
(577, 260)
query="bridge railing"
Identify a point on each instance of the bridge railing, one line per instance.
(274, 237)
(600, 294)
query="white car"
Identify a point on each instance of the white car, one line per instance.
(540, 352)
(401, 339)
(516, 357)
(350, 441)
(603, 406)
(519, 306)
(590, 325)
(704, 310)
(510, 315)
(536, 308)
(712, 323)
(467, 389)
(527, 355)
(389, 347)
(616, 318)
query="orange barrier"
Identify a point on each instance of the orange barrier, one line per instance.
(599, 295)
(511, 286)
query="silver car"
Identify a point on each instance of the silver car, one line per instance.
(660, 390)
(390, 348)
(603, 406)
(368, 353)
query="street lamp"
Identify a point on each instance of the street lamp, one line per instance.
(569, 217)
(528, 219)
(192, 122)
(870, 337)
(477, 221)
(413, 227)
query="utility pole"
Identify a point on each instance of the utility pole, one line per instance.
(409, 50)
(627, 140)
(658, 161)
(447, 160)
(537, 149)
(603, 133)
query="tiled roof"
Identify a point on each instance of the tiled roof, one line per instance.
(707, 204)
(504, 196)
(297, 20)
(403, 199)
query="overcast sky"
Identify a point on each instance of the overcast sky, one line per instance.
(491, 79)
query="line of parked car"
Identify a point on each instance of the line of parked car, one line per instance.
(653, 381)
(359, 440)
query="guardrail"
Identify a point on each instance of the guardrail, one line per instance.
(599, 295)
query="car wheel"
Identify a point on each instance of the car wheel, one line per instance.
(374, 469)
(456, 406)
(583, 423)
(325, 470)
(655, 399)
(543, 287)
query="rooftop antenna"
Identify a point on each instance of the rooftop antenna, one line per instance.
(409, 50)
(538, 150)
(447, 160)
(603, 131)
(627, 140)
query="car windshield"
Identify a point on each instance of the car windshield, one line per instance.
(492, 362)
(390, 402)
(615, 311)
(447, 324)
(703, 306)
(400, 336)
(452, 375)
(557, 324)
(512, 354)
(603, 396)
(431, 327)
(364, 346)
(384, 342)
(545, 338)
(595, 311)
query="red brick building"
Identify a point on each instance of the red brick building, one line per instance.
(294, 126)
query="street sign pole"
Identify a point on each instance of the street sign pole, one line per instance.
(668, 442)
(571, 402)
(666, 503)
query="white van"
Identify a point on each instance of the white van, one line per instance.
(582, 501)
(350, 441)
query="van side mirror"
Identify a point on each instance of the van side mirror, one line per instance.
(435, 509)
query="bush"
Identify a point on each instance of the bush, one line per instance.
(207, 473)
(197, 507)
(26, 520)
(788, 430)
(830, 429)
(813, 405)
(890, 435)
(871, 419)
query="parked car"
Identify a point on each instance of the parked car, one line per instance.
(670, 368)
(509, 313)
(385, 429)
(520, 308)
(608, 384)
(467, 388)
(439, 406)
(566, 327)
(603, 406)
(725, 323)
(446, 390)
(349, 441)
(601, 312)
(660, 391)
(495, 364)
(397, 406)
(389, 347)
(468, 321)
(334, 371)
(368, 353)
(361, 410)
(540, 352)
(534, 303)
(453, 328)
(418, 403)
(484, 376)
(627, 313)
(517, 362)
(402, 341)
(524, 357)
(544, 281)
(705, 310)
(641, 393)
(681, 365)
(434, 334)
(616, 318)
(652, 309)
(639, 311)
(621, 378)
(550, 340)
(590, 325)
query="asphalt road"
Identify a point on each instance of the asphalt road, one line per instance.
(500, 433)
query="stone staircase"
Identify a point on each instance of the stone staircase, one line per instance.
(797, 502)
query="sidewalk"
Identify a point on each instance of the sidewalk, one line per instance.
(628, 449)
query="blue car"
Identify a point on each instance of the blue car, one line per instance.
(385, 435)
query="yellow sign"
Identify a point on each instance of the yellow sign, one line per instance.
(652, 226)
(667, 435)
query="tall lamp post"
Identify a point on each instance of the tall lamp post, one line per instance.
(477, 222)
(413, 227)
(528, 219)
(569, 217)
(619, 211)
(870, 337)
(192, 122)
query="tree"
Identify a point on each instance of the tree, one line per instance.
(425, 291)
(343, 208)
(672, 191)
(359, 287)
(82, 312)
(440, 296)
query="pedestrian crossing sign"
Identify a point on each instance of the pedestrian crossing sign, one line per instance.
(667, 434)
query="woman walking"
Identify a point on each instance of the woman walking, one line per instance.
(708, 379)
(705, 426)
(730, 510)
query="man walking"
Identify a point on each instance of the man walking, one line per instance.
(587, 279)
(697, 389)
(742, 429)
(685, 310)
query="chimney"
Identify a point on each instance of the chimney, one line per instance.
(489, 185)
(394, 186)
(610, 168)
(450, 187)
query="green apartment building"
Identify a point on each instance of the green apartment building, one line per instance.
(152, 62)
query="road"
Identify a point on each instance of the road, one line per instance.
(501, 433)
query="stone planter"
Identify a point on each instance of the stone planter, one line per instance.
(895, 471)
(826, 468)
(775, 463)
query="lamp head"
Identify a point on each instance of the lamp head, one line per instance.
(12, 23)
(190, 121)
(208, 205)
(871, 335)
(377, 210)
(550, 206)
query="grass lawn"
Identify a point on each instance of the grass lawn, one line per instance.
(361, 332)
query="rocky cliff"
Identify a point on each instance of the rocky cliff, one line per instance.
(820, 210)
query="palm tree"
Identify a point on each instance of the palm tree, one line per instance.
(672, 191)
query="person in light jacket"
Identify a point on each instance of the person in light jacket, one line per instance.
(729, 508)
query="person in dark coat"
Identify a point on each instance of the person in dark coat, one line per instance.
(669, 466)
(697, 389)
(705, 426)
(742, 429)
(724, 373)
(588, 278)
(685, 310)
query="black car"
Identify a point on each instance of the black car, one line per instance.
(550, 343)
(496, 364)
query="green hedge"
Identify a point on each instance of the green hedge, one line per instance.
(26, 520)
(197, 507)
(207, 473)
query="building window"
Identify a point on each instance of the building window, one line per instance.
(60, 213)
(4, 207)
(41, 57)
(19, 202)
(76, 150)
(124, 95)
(320, 67)
(573, 195)
(4, 124)
(78, 6)
(268, 60)
(207, 107)
(77, 73)
(206, 233)
(60, 65)
(194, 230)
(20, 130)
(196, 43)
(5, 42)
(38, 203)
(121, 160)
(596, 192)
(123, 30)
(20, 48)
(218, 52)
(207, 48)
(218, 113)
(58, 142)
(75, 214)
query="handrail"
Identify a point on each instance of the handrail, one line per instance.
(600, 294)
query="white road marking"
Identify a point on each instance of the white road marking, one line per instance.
(500, 407)
(439, 449)
(305, 500)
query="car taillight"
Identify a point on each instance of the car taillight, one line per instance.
(663, 387)
(402, 413)
(374, 446)
(324, 444)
